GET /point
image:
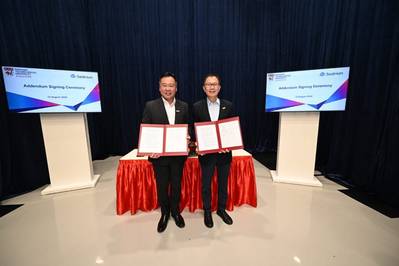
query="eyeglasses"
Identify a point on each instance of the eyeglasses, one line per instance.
(211, 84)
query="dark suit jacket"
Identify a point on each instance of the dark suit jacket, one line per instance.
(155, 113)
(201, 114)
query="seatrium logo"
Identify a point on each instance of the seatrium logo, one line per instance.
(78, 76)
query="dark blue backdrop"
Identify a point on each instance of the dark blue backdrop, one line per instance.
(130, 43)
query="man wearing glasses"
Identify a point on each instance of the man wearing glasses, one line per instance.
(212, 109)
(168, 169)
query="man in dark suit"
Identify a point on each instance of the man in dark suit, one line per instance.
(212, 109)
(167, 169)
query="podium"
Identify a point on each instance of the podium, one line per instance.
(296, 152)
(67, 145)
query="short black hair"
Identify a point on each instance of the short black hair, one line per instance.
(168, 74)
(212, 75)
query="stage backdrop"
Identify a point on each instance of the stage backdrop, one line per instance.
(130, 43)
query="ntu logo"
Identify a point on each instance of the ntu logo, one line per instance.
(9, 71)
(270, 76)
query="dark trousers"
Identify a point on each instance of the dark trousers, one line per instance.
(169, 174)
(208, 168)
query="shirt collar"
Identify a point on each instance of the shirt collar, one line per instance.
(165, 102)
(213, 103)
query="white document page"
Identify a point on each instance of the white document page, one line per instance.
(230, 134)
(151, 140)
(176, 139)
(207, 138)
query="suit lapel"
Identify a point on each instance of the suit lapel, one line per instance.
(222, 110)
(178, 112)
(207, 116)
(162, 112)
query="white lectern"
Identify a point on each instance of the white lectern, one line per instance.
(296, 153)
(67, 144)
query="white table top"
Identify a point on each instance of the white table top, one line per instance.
(133, 155)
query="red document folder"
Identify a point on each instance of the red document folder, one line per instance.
(165, 138)
(219, 128)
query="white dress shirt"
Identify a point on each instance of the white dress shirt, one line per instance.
(214, 108)
(170, 110)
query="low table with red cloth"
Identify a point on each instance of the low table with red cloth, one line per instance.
(136, 185)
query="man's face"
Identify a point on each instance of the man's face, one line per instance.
(211, 87)
(168, 88)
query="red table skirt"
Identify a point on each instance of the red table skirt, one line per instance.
(136, 186)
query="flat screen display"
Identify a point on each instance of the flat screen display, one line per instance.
(307, 90)
(35, 90)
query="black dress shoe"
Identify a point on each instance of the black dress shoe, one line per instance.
(208, 219)
(178, 220)
(225, 217)
(163, 222)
